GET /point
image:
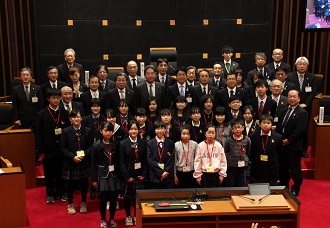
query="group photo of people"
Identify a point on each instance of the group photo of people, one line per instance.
(219, 127)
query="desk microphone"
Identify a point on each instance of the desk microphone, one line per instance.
(172, 67)
(233, 194)
(262, 198)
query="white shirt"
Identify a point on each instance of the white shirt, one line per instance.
(95, 94)
(184, 88)
(51, 84)
(121, 93)
(234, 89)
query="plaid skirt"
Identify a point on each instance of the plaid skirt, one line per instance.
(210, 180)
(129, 188)
(76, 173)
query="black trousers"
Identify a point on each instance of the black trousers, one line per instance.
(55, 185)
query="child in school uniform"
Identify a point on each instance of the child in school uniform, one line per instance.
(234, 102)
(75, 145)
(185, 150)
(123, 117)
(222, 127)
(171, 131)
(133, 167)
(197, 126)
(118, 132)
(180, 111)
(237, 149)
(207, 101)
(105, 172)
(250, 125)
(144, 129)
(160, 154)
(152, 111)
(210, 161)
(266, 151)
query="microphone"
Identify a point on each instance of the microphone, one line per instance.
(262, 198)
(244, 197)
(171, 67)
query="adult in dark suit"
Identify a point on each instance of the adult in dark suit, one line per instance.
(292, 125)
(63, 69)
(277, 56)
(260, 60)
(120, 92)
(281, 101)
(191, 76)
(217, 80)
(266, 151)
(305, 83)
(162, 76)
(105, 84)
(228, 65)
(93, 92)
(27, 100)
(180, 88)
(67, 103)
(133, 79)
(281, 74)
(262, 103)
(222, 96)
(52, 74)
(203, 88)
(157, 90)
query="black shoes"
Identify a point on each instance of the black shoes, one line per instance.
(296, 193)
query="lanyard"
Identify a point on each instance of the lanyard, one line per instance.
(208, 153)
(263, 144)
(108, 150)
(160, 151)
(58, 116)
(97, 122)
(206, 122)
(196, 139)
(240, 148)
(122, 123)
(136, 151)
(185, 155)
(78, 134)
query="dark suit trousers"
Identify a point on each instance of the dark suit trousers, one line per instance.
(55, 185)
(291, 164)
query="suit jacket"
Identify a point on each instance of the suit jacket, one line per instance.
(69, 146)
(142, 95)
(269, 107)
(198, 93)
(233, 67)
(287, 87)
(173, 92)
(222, 82)
(266, 170)
(86, 97)
(285, 66)
(294, 129)
(47, 85)
(88, 121)
(251, 91)
(309, 81)
(268, 75)
(222, 97)
(63, 72)
(229, 115)
(82, 88)
(25, 110)
(155, 172)
(109, 84)
(112, 100)
(128, 159)
(254, 128)
(168, 81)
(138, 81)
(282, 104)
(75, 105)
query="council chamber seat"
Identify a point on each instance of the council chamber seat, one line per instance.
(169, 53)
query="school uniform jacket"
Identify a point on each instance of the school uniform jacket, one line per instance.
(86, 97)
(128, 159)
(155, 172)
(269, 107)
(233, 67)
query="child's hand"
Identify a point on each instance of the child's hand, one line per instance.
(176, 180)
(164, 175)
(221, 179)
(141, 178)
(130, 179)
(76, 159)
(199, 180)
(95, 184)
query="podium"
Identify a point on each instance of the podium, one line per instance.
(218, 211)
(12, 196)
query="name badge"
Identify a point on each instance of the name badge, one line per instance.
(161, 165)
(241, 163)
(58, 131)
(189, 99)
(111, 168)
(34, 99)
(263, 157)
(186, 169)
(308, 89)
(276, 120)
(210, 169)
(80, 153)
(137, 165)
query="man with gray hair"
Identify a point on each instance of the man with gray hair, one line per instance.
(306, 85)
(63, 69)
(260, 61)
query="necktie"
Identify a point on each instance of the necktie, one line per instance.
(301, 81)
(261, 107)
(27, 93)
(163, 80)
(94, 95)
(182, 90)
(276, 99)
(134, 84)
(217, 83)
(261, 71)
(277, 65)
(150, 91)
(122, 96)
(228, 67)
(103, 85)
(54, 86)
(285, 121)
(204, 90)
(231, 93)
(68, 108)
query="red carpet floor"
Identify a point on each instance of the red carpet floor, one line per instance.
(314, 209)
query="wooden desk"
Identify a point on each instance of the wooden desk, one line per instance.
(18, 146)
(322, 155)
(215, 213)
(13, 198)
